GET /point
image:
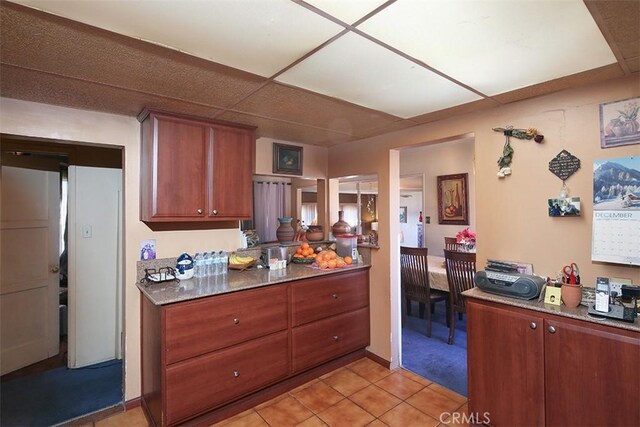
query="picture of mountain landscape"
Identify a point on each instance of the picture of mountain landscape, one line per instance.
(616, 184)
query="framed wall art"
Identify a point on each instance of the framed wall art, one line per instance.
(619, 123)
(453, 199)
(403, 214)
(287, 159)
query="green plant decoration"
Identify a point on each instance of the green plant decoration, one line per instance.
(504, 162)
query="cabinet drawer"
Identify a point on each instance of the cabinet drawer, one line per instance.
(200, 384)
(325, 339)
(326, 296)
(202, 326)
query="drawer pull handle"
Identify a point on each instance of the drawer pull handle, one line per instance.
(236, 374)
(214, 212)
(335, 338)
(334, 296)
(236, 321)
(552, 330)
(533, 325)
(199, 211)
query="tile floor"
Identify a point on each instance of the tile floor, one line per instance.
(360, 394)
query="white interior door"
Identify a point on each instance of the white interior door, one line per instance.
(94, 269)
(29, 290)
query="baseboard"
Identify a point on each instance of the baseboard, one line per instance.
(379, 360)
(132, 404)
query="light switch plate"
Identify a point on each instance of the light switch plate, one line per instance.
(87, 232)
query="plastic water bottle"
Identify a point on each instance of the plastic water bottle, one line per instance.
(215, 266)
(224, 261)
(207, 264)
(199, 265)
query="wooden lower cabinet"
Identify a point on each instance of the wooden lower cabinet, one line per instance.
(205, 382)
(326, 339)
(532, 368)
(202, 357)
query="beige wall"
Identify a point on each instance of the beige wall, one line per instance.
(511, 214)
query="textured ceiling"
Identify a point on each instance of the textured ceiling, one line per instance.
(55, 60)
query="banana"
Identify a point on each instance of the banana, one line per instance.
(234, 258)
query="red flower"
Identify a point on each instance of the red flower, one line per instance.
(465, 236)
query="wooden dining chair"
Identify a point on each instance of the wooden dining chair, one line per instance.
(451, 244)
(461, 268)
(414, 279)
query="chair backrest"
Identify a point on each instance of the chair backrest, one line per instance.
(451, 244)
(414, 272)
(461, 267)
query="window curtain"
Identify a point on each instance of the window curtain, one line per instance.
(309, 213)
(350, 213)
(271, 200)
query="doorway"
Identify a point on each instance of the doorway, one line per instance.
(431, 356)
(69, 379)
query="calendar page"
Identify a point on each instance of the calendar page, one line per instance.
(616, 237)
(616, 211)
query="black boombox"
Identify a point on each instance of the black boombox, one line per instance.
(515, 285)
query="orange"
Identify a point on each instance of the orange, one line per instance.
(310, 256)
(304, 245)
(332, 263)
(297, 256)
(348, 260)
(332, 255)
(308, 251)
(340, 263)
(323, 264)
(298, 250)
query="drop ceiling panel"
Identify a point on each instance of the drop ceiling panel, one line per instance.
(287, 131)
(301, 106)
(495, 46)
(359, 71)
(258, 36)
(347, 11)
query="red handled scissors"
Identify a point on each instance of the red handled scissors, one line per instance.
(572, 273)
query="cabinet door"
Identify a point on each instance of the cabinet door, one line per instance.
(197, 327)
(326, 339)
(324, 296)
(202, 383)
(177, 160)
(592, 374)
(505, 365)
(231, 172)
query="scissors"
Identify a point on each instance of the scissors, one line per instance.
(572, 273)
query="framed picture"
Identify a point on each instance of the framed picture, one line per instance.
(619, 123)
(287, 159)
(564, 206)
(403, 214)
(453, 199)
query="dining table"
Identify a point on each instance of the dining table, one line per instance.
(437, 273)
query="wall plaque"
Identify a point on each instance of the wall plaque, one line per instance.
(564, 165)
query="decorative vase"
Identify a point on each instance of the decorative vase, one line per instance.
(315, 233)
(571, 295)
(341, 227)
(285, 231)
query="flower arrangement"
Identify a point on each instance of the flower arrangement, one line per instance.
(466, 236)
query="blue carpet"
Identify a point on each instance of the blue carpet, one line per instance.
(433, 358)
(60, 394)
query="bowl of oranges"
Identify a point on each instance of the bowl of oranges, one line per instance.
(305, 254)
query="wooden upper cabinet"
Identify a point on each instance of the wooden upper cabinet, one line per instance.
(193, 170)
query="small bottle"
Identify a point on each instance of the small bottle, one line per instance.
(199, 265)
(207, 264)
(420, 218)
(224, 262)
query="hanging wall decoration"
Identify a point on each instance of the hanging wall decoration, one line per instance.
(563, 165)
(619, 123)
(504, 162)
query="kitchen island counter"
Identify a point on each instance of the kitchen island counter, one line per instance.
(184, 290)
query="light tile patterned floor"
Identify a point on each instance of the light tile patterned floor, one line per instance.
(360, 394)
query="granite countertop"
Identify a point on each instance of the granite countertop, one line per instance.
(579, 312)
(170, 292)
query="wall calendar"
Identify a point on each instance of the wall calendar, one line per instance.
(616, 211)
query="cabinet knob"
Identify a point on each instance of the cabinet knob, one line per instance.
(236, 321)
(236, 374)
(54, 269)
(552, 330)
(214, 212)
(199, 211)
(334, 296)
(533, 325)
(335, 338)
